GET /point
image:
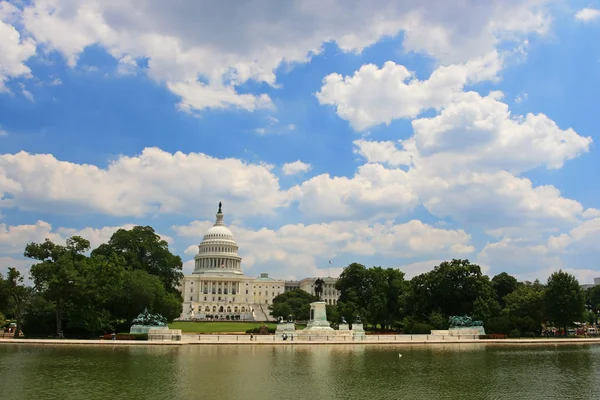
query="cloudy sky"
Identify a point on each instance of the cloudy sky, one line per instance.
(394, 133)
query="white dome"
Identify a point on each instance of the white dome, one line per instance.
(218, 232)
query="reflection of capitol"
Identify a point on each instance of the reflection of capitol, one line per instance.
(218, 289)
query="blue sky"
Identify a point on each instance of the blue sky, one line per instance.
(399, 135)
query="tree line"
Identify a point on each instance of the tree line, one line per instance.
(383, 298)
(83, 293)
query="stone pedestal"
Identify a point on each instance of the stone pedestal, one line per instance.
(144, 328)
(344, 327)
(318, 318)
(470, 330)
(358, 329)
(164, 334)
(286, 327)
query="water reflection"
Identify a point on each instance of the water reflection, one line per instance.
(441, 371)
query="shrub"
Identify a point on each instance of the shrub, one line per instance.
(515, 333)
(420, 328)
(257, 330)
(132, 336)
(493, 336)
(528, 334)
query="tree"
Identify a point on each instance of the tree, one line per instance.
(376, 294)
(525, 307)
(564, 299)
(142, 249)
(504, 284)
(19, 295)
(294, 302)
(58, 273)
(452, 288)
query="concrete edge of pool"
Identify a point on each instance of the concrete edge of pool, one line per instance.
(299, 343)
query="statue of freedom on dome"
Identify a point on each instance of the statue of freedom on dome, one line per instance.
(219, 212)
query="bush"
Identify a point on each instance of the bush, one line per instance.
(132, 336)
(257, 330)
(419, 328)
(528, 334)
(493, 336)
(515, 333)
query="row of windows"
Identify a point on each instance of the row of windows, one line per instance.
(223, 309)
(218, 249)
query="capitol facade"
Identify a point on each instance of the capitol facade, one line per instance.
(219, 290)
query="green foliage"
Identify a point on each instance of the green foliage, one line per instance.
(452, 288)
(503, 285)
(257, 330)
(592, 298)
(564, 299)
(142, 249)
(525, 307)
(515, 333)
(18, 296)
(500, 324)
(438, 321)
(376, 294)
(106, 289)
(294, 302)
(131, 336)
(332, 313)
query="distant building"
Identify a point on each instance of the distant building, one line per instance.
(589, 285)
(218, 289)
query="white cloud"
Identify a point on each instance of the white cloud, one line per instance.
(150, 183)
(587, 14)
(417, 268)
(293, 250)
(204, 39)
(127, 65)
(3, 132)
(295, 167)
(26, 93)
(373, 192)
(591, 213)
(15, 50)
(373, 96)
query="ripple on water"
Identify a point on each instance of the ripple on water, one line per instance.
(279, 372)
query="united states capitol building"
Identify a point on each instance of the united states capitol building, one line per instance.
(218, 289)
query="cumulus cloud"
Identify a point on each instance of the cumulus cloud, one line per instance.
(204, 39)
(14, 238)
(373, 96)
(294, 168)
(294, 250)
(587, 14)
(152, 182)
(15, 50)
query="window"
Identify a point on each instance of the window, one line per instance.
(219, 298)
(246, 290)
(219, 290)
(192, 290)
(192, 282)
(266, 301)
(214, 291)
(191, 298)
(225, 291)
(213, 298)
(204, 298)
(233, 299)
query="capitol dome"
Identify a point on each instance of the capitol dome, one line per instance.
(218, 252)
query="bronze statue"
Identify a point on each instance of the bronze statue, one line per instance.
(464, 321)
(219, 212)
(147, 319)
(319, 283)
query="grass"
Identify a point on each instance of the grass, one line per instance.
(217, 327)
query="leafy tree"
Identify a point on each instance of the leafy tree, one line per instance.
(19, 295)
(58, 273)
(332, 313)
(375, 294)
(592, 298)
(142, 249)
(294, 302)
(504, 284)
(452, 288)
(564, 299)
(525, 307)
(140, 290)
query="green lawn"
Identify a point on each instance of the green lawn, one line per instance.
(217, 327)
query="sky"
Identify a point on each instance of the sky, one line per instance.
(390, 133)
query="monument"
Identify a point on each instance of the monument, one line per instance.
(155, 326)
(344, 325)
(285, 326)
(461, 326)
(318, 317)
(146, 321)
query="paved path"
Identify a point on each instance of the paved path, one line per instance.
(275, 340)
